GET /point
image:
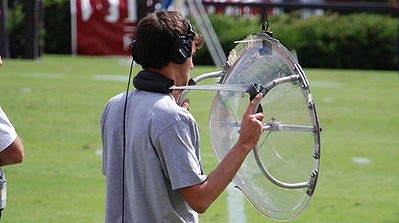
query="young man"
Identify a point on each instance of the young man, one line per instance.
(151, 156)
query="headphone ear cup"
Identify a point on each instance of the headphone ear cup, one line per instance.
(181, 50)
(134, 52)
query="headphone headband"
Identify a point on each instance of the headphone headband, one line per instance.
(190, 34)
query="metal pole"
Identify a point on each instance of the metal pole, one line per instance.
(215, 48)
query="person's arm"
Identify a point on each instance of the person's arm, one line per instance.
(13, 154)
(201, 196)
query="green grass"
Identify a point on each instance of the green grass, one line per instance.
(55, 104)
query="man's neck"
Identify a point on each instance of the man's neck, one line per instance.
(168, 71)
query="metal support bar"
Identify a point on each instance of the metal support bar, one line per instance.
(278, 126)
(275, 180)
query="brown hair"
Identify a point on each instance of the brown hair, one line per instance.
(155, 35)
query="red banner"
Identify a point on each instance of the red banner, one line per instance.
(103, 27)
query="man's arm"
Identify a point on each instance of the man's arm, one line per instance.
(13, 154)
(201, 196)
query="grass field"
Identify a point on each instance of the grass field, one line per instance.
(55, 104)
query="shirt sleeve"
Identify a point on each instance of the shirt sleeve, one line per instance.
(179, 151)
(7, 131)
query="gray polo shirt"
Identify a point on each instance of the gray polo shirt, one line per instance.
(161, 156)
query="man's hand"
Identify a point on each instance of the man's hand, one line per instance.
(251, 125)
(186, 103)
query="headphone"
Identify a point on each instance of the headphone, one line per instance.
(179, 51)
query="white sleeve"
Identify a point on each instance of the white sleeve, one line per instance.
(7, 131)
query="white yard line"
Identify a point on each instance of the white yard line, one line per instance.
(361, 160)
(46, 75)
(109, 77)
(235, 205)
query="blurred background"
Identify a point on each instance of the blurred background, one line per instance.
(322, 33)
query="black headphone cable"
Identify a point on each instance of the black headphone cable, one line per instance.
(124, 141)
